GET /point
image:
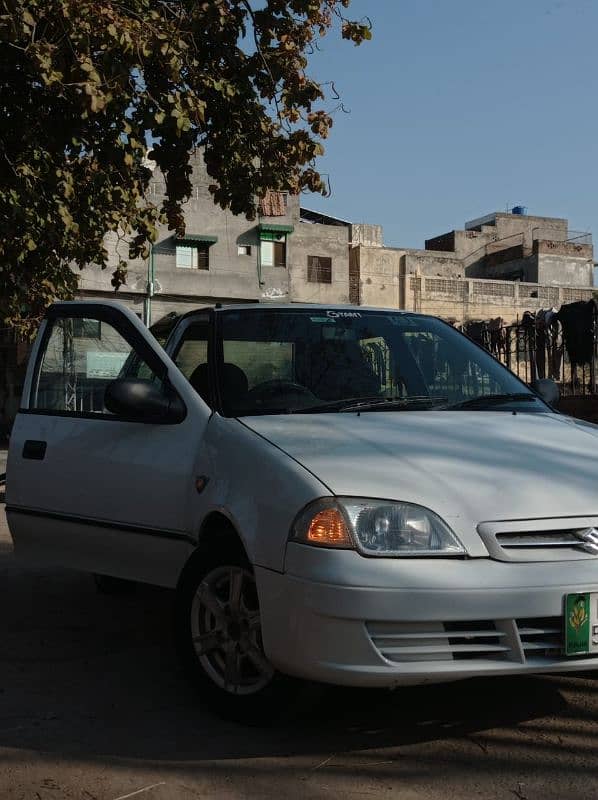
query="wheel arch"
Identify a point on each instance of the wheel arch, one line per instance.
(218, 534)
(219, 528)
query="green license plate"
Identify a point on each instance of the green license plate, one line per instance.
(581, 624)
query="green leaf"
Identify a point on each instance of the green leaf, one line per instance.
(98, 75)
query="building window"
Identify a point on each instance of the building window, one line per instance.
(319, 269)
(196, 257)
(244, 250)
(186, 257)
(273, 250)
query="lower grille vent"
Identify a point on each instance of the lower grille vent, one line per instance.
(437, 641)
(541, 637)
(470, 640)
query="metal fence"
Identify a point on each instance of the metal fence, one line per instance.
(535, 347)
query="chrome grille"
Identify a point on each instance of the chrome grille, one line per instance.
(574, 538)
(567, 538)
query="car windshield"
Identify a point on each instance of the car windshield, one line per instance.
(279, 361)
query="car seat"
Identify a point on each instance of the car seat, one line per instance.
(339, 369)
(234, 384)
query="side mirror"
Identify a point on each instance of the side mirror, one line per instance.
(548, 390)
(141, 400)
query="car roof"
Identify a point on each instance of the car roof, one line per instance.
(171, 321)
(237, 306)
(220, 307)
(306, 307)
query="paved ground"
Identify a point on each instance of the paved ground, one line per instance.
(93, 707)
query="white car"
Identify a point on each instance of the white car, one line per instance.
(347, 495)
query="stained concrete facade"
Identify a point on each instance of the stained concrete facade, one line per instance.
(498, 265)
(234, 274)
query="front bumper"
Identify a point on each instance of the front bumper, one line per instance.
(337, 617)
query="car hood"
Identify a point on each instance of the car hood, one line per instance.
(467, 466)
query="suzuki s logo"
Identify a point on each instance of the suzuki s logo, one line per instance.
(588, 540)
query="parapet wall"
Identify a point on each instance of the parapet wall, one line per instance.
(433, 282)
(463, 300)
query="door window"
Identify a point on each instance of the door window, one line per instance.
(80, 358)
(191, 357)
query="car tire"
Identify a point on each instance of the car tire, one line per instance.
(218, 639)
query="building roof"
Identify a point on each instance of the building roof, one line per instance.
(312, 217)
(516, 211)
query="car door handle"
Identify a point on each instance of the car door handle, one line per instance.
(34, 449)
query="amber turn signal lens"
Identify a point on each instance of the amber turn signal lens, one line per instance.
(328, 528)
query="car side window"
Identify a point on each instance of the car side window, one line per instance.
(191, 357)
(80, 358)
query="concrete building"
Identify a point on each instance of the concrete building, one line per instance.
(516, 246)
(498, 265)
(286, 254)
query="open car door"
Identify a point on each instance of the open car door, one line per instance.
(92, 488)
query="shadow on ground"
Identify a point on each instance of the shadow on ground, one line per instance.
(91, 676)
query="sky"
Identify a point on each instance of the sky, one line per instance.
(459, 108)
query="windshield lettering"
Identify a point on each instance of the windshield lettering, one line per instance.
(344, 314)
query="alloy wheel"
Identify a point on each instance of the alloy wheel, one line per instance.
(226, 631)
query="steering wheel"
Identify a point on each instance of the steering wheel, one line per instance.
(268, 390)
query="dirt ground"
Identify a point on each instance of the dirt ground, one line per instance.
(93, 706)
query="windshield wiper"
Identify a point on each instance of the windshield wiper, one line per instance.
(372, 404)
(489, 400)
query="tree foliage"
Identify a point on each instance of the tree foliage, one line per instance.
(85, 84)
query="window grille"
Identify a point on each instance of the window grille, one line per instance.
(493, 289)
(455, 288)
(319, 269)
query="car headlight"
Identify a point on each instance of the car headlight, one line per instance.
(375, 528)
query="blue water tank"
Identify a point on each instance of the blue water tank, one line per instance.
(520, 210)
